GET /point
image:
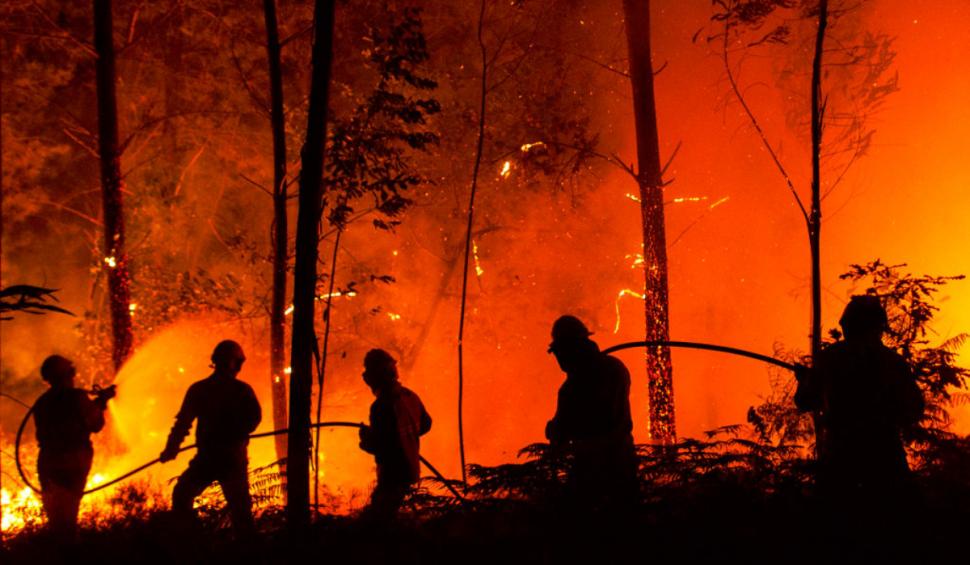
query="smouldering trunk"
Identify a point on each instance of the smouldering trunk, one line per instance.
(277, 321)
(112, 185)
(659, 369)
(305, 275)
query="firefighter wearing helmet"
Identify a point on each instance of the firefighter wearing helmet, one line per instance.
(227, 412)
(592, 420)
(865, 397)
(65, 418)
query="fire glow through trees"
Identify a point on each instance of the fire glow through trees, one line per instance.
(558, 226)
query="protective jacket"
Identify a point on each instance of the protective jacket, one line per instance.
(397, 422)
(227, 410)
(866, 396)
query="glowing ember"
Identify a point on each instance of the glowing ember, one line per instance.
(394, 317)
(506, 170)
(632, 196)
(620, 295)
(682, 199)
(527, 146)
(111, 262)
(132, 307)
(719, 202)
(288, 371)
(478, 266)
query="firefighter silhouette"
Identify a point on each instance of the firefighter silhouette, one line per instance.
(592, 421)
(227, 411)
(865, 396)
(397, 422)
(65, 418)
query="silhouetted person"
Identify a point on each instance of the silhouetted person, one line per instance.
(592, 419)
(397, 422)
(866, 396)
(65, 418)
(228, 411)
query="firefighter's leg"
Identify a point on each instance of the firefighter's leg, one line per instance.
(63, 476)
(190, 484)
(235, 487)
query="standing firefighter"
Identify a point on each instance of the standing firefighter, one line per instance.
(397, 422)
(65, 419)
(592, 420)
(866, 397)
(228, 411)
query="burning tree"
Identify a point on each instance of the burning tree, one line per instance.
(112, 186)
(277, 321)
(649, 178)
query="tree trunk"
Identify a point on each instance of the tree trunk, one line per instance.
(277, 322)
(305, 275)
(112, 186)
(659, 369)
(468, 243)
(815, 216)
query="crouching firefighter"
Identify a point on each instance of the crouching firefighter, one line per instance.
(228, 411)
(397, 422)
(65, 418)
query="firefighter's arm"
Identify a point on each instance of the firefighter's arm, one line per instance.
(254, 411)
(808, 394)
(93, 413)
(425, 422)
(183, 423)
(368, 435)
(911, 403)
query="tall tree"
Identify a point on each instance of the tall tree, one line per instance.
(305, 274)
(277, 322)
(649, 178)
(748, 23)
(112, 186)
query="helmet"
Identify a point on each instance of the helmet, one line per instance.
(864, 313)
(56, 368)
(227, 350)
(568, 329)
(378, 359)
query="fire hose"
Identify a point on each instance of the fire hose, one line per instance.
(444, 481)
(30, 411)
(794, 367)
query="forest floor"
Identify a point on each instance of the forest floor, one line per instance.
(727, 526)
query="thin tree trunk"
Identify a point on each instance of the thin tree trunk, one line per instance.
(815, 215)
(277, 322)
(173, 103)
(305, 275)
(322, 372)
(112, 186)
(659, 369)
(468, 243)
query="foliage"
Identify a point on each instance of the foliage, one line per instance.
(858, 74)
(909, 302)
(367, 154)
(29, 300)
